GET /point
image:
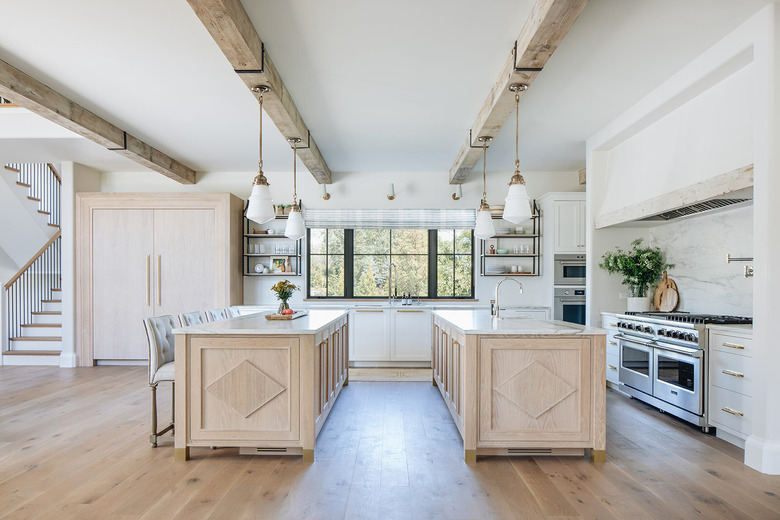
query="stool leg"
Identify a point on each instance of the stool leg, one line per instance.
(153, 436)
(173, 405)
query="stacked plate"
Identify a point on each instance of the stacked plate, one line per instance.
(495, 269)
(503, 231)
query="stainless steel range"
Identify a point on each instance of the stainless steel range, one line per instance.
(663, 360)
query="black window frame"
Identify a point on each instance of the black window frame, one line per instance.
(349, 276)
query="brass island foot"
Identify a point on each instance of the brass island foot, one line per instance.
(598, 456)
(308, 455)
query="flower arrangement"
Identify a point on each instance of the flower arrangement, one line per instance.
(284, 290)
(640, 267)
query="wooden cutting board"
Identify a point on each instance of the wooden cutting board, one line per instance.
(286, 316)
(665, 296)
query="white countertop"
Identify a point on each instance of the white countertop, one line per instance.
(481, 322)
(316, 320)
(384, 304)
(743, 329)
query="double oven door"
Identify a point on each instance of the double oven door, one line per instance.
(671, 373)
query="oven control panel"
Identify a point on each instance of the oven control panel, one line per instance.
(683, 334)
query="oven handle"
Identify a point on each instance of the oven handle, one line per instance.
(635, 340)
(689, 352)
(572, 300)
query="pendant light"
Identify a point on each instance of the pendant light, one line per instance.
(260, 208)
(484, 228)
(295, 228)
(517, 207)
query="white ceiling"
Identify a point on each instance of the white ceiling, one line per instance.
(383, 86)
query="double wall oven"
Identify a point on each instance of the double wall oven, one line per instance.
(569, 291)
(663, 361)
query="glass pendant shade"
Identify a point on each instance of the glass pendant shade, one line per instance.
(295, 228)
(260, 208)
(484, 228)
(517, 207)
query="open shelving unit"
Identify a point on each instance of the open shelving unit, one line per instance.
(262, 248)
(530, 261)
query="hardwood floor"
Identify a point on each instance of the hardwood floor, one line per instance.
(74, 445)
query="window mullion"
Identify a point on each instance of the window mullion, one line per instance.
(349, 263)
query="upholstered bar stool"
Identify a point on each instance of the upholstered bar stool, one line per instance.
(233, 312)
(159, 334)
(216, 314)
(187, 319)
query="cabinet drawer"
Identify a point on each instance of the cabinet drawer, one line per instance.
(730, 409)
(731, 371)
(612, 345)
(613, 362)
(732, 344)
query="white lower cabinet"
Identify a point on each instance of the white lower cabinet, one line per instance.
(729, 391)
(385, 335)
(609, 322)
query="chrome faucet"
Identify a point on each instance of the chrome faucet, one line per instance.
(496, 309)
(392, 290)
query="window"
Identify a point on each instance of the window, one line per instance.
(347, 263)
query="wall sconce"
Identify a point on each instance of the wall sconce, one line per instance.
(391, 192)
(458, 193)
(325, 194)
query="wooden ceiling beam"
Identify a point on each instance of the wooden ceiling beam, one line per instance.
(232, 30)
(29, 93)
(549, 22)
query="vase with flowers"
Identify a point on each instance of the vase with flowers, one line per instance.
(284, 290)
(640, 267)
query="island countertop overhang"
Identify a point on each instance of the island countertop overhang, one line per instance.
(256, 324)
(480, 322)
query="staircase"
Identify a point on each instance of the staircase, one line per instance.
(33, 302)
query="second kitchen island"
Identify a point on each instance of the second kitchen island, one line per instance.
(520, 386)
(262, 385)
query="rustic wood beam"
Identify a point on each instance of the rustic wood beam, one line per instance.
(36, 97)
(544, 30)
(232, 30)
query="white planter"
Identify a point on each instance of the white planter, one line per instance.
(639, 304)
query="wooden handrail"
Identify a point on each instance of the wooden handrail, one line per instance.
(54, 172)
(32, 260)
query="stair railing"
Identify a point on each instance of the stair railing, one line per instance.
(27, 290)
(44, 187)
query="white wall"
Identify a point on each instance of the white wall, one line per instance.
(413, 190)
(75, 178)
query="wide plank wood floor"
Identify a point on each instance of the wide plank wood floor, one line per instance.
(74, 445)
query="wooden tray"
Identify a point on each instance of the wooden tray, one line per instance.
(286, 316)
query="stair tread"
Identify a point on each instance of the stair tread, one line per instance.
(52, 301)
(32, 352)
(44, 212)
(53, 225)
(52, 325)
(23, 184)
(36, 199)
(37, 338)
(48, 313)
(55, 289)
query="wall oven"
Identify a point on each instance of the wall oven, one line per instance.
(569, 270)
(569, 304)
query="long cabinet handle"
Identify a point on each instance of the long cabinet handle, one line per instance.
(611, 324)
(405, 310)
(368, 310)
(732, 412)
(148, 280)
(732, 373)
(734, 346)
(159, 283)
(613, 342)
(612, 367)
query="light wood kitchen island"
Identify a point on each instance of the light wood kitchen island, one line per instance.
(521, 386)
(265, 386)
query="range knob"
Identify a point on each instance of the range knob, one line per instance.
(675, 334)
(649, 330)
(661, 332)
(690, 337)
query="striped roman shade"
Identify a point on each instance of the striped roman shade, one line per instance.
(390, 218)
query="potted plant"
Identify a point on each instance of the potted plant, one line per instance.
(284, 290)
(640, 267)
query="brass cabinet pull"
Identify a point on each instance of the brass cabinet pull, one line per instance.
(612, 367)
(406, 310)
(613, 342)
(159, 282)
(734, 345)
(732, 373)
(611, 324)
(369, 310)
(148, 280)
(733, 412)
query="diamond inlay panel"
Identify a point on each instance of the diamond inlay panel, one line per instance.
(245, 388)
(535, 389)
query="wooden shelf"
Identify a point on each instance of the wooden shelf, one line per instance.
(500, 217)
(526, 255)
(272, 274)
(288, 255)
(266, 235)
(515, 236)
(510, 274)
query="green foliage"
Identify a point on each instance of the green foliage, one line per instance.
(640, 267)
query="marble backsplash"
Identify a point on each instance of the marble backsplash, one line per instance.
(698, 247)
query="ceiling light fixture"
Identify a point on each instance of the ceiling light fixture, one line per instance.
(295, 228)
(391, 192)
(458, 193)
(260, 208)
(484, 228)
(517, 207)
(325, 194)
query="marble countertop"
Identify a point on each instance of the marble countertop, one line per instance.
(383, 304)
(744, 329)
(481, 322)
(255, 323)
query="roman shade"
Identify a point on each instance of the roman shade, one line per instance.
(390, 218)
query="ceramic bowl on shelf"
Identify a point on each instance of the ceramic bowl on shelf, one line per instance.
(503, 231)
(502, 251)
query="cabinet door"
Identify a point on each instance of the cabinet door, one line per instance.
(411, 335)
(122, 272)
(369, 339)
(569, 226)
(185, 261)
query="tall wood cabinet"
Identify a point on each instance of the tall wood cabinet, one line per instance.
(150, 254)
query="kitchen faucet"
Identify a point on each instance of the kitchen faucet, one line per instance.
(495, 311)
(392, 290)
